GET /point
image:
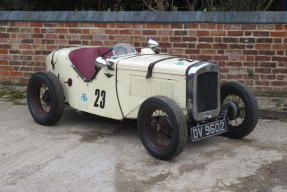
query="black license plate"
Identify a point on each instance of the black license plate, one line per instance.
(208, 130)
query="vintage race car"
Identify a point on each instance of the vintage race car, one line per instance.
(172, 98)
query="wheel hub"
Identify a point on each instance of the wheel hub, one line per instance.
(233, 110)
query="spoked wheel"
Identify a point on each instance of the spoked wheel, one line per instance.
(162, 127)
(241, 108)
(45, 98)
(158, 128)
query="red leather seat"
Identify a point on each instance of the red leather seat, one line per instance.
(84, 60)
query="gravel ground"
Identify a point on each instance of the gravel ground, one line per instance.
(87, 154)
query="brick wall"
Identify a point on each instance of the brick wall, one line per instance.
(254, 54)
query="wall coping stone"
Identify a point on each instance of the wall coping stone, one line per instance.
(228, 17)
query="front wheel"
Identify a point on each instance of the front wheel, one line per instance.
(241, 107)
(162, 127)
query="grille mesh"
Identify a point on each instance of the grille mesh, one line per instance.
(207, 91)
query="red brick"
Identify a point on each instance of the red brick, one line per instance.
(192, 51)
(279, 46)
(279, 34)
(35, 35)
(262, 58)
(265, 83)
(46, 41)
(248, 27)
(278, 83)
(236, 46)
(261, 33)
(190, 39)
(220, 58)
(250, 52)
(5, 46)
(232, 27)
(263, 46)
(4, 73)
(36, 24)
(207, 26)
(220, 46)
(282, 71)
(154, 26)
(180, 33)
(127, 32)
(4, 35)
(268, 64)
(278, 27)
(235, 33)
(14, 73)
(237, 58)
(104, 25)
(203, 46)
(111, 31)
(268, 27)
(207, 52)
(205, 39)
(3, 62)
(149, 32)
(230, 40)
(175, 39)
(183, 45)
(3, 51)
(267, 77)
(234, 64)
(176, 26)
(75, 30)
(266, 52)
(284, 59)
(61, 30)
(202, 33)
(264, 40)
(71, 24)
(192, 26)
(217, 33)
(263, 70)
(234, 76)
(5, 68)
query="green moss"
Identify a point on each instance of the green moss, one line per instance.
(283, 119)
(12, 95)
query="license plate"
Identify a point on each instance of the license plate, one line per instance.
(208, 130)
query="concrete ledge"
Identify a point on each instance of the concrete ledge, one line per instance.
(259, 17)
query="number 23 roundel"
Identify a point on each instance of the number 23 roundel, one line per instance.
(100, 98)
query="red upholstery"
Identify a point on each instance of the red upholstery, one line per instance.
(84, 60)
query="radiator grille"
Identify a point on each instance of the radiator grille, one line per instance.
(207, 91)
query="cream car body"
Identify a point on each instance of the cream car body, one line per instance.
(127, 87)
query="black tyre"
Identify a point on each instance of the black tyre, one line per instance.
(162, 127)
(45, 98)
(242, 109)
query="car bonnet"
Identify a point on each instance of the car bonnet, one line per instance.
(166, 63)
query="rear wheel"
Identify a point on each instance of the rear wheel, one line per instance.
(241, 107)
(45, 98)
(162, 127)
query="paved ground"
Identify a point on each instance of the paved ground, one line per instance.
(88, 154)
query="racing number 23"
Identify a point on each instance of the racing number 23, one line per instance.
(100, 98)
